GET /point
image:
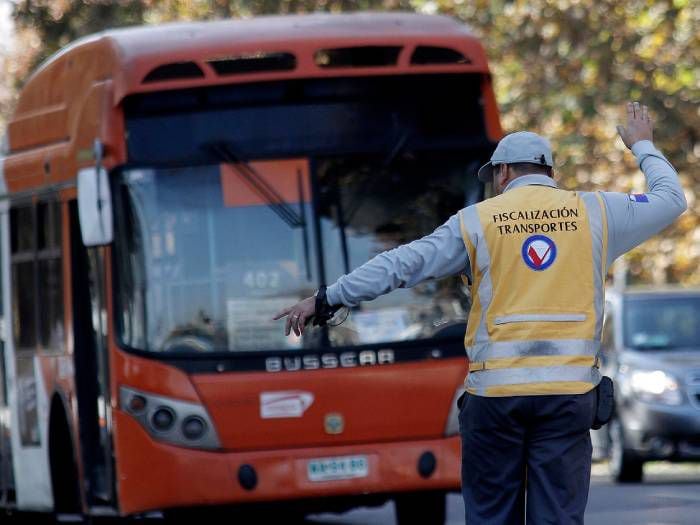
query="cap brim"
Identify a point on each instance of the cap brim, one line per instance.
(485, 172)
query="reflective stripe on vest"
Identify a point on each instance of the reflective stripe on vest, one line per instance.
(537, 256)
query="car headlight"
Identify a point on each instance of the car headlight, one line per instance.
(655, 386)
(452, 426)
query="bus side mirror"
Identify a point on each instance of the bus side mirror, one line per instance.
(95, 206)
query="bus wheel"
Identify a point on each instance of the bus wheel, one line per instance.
(64, 475)
(420, 508)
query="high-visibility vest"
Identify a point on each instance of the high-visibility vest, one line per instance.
(537, 257)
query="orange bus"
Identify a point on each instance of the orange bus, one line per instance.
(165, 190)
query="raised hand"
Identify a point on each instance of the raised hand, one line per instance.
(639, 125)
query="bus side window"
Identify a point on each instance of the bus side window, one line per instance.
(24, 318)
(3, 370)
(50, 276)
(23, 278)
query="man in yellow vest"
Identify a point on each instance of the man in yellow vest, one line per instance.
(536, 257)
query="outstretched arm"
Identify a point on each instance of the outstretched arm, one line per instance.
(633, 218)
(434, 256)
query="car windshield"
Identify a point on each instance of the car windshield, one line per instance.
(206, 255)
(664, 322)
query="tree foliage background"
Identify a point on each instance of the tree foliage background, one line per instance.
(563, 68)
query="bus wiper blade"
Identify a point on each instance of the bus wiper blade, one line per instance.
(397, 148)
(271, 197)
(304, 229)
(263, 188)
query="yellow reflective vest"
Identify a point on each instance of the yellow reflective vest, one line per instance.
(537, 256)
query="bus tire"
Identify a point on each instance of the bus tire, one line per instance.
(64, 473)
(420, 508)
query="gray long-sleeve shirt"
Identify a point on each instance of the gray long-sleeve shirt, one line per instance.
(631, 220)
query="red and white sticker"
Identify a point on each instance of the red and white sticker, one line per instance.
(285, 403)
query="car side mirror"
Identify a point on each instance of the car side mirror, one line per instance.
(95, 203)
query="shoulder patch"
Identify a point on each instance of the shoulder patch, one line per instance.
(638, 197)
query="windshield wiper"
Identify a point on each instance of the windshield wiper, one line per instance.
(263, 188)
(269, 194)
(302, 214)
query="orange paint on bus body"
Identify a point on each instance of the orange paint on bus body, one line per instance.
(75, 98)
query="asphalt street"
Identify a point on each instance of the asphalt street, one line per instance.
(670, 495)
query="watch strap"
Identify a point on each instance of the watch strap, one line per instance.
(323, 312)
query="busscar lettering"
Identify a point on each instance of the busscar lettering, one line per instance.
(348, 359)
(520, 221)
(311, 362)
(292, 363)
(368, 357)
(385, 357)
(330, 360)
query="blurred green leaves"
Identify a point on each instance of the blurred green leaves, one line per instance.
(563, 68)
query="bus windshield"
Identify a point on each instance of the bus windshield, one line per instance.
(206, 255)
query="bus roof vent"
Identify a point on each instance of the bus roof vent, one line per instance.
(424, 55)
(361, 56)
(253, 63)
(174, 71)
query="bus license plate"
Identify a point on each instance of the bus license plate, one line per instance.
(346, 467)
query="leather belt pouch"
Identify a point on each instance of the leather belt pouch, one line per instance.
(605, 402)
(460, 400)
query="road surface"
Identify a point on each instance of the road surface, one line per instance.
(669, 496)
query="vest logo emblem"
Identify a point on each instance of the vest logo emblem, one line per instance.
(539, 252)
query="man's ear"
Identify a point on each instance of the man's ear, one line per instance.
(499, 177)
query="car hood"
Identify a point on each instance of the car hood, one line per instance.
(680, 361)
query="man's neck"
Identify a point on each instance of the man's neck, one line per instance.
(531, 179)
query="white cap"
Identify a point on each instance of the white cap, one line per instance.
(521, 146)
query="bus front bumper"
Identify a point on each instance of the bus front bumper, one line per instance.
(153, 476)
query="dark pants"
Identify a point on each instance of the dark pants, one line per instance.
(534, 448)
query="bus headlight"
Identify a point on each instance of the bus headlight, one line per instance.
(655, 386)
(194, 427)
(173, 421)
(163, 419)
(452, 426)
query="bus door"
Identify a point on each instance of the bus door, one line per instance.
(4, 429)
(6, 486)
(91, 365)
(7, 494)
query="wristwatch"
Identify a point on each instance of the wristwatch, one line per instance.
(322, 310)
